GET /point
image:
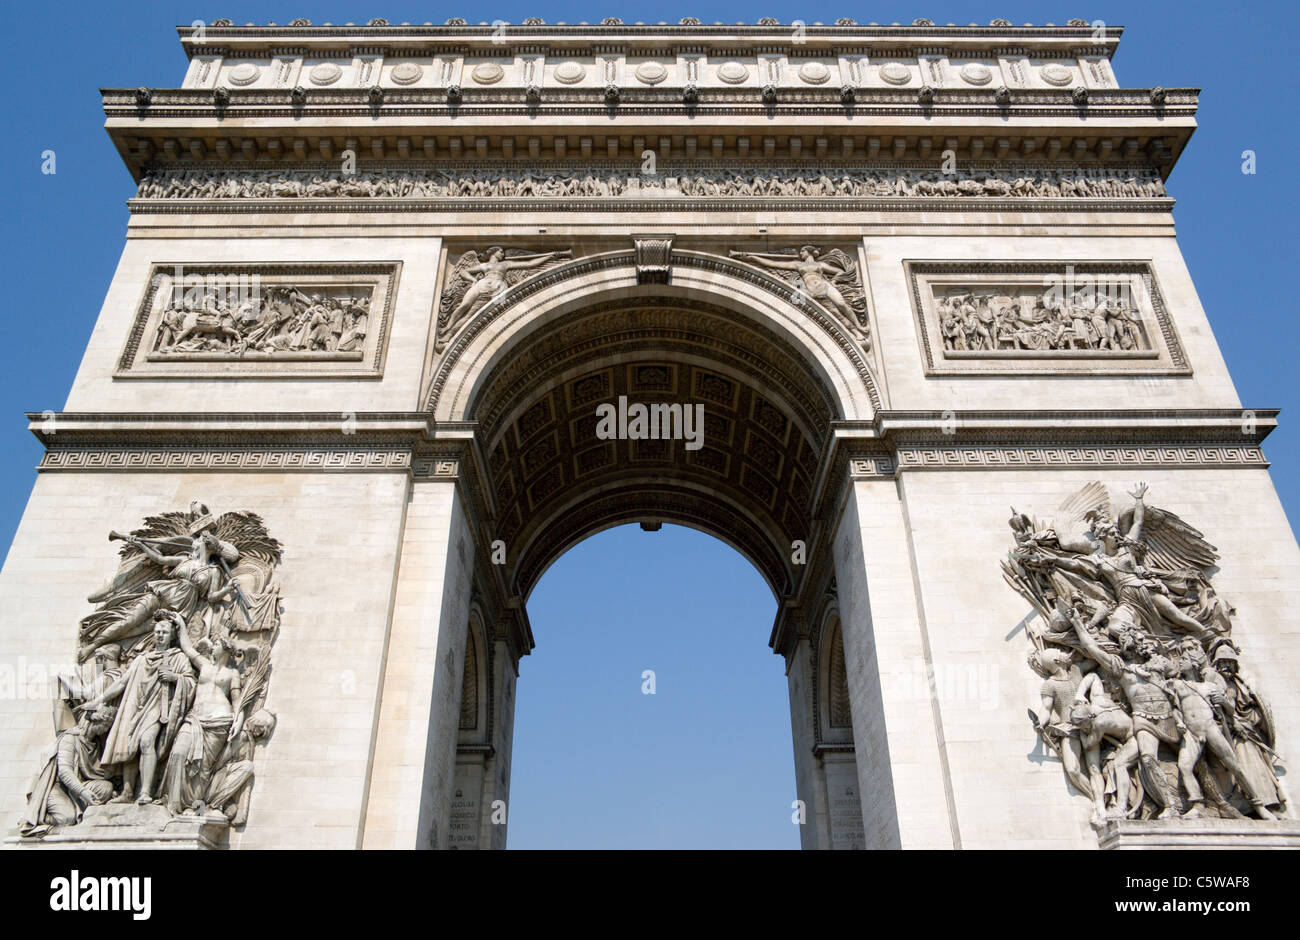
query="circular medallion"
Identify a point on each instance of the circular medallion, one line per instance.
(487, 73)
(408, 73)
(327, 73)
(733, 73)
(570, 73)
(976, 74)
(1056, 74)
(814, 73)
(244, 74)
(651, 73)
(896, 73)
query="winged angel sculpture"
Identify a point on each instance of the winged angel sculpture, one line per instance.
(1141, 698)
(168, 700)
(475, 279)
(830, 278)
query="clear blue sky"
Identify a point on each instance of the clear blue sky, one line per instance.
(707, 760)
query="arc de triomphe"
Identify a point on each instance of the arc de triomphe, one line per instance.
(404, 312)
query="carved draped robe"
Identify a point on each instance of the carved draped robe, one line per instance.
(150, 702)
(49, 801)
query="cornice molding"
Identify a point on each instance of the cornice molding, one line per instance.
(584, 204)
(455, 30)
(166, 104)
(891, 443)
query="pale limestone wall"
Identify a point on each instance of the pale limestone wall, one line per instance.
(415, 746)
(1005, 793)
(900, 761)
(899, 349)
(341, 533)
(95, 389)
(810, 781)
(496, 786)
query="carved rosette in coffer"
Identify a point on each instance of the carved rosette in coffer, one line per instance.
(269, 321)
(1043, 317)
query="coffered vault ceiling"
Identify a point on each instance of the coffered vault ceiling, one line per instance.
(766, 421)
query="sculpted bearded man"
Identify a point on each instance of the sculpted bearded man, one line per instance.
(156, 691)
(73, 777)
(1140, 673)
(1251, 721)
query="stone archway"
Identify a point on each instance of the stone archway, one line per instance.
(773, 376)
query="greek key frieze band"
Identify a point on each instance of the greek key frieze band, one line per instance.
(1072, 457)
(250, 460)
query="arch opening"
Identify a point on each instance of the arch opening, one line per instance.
(650, 660)
(747, 477)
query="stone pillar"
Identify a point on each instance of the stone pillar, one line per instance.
(466, 808)
(838, 769)
(481, 792)
(810, 780)
(902, 774)
(413, 763)
(495, 814)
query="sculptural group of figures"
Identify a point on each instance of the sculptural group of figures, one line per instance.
(518, 183)
(277, 319)
(970, 321)
(1142, 698)
(168, 700)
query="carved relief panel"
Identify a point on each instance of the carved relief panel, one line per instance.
(267, 320)
(1042, 317)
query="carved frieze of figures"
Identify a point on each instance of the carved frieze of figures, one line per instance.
(615, 181)
(280, 319)
(1143, 699)
(1043, 316)
(262, 318)
(477, 277)
(974, 318)
(169, 698)
(828, 277)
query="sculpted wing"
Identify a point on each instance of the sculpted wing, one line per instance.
(458, 281)
(247, 532)
(1172, 544)
(1071, 526)
(514, 275)
(258, 556)
(1073, 517)
(847, 280)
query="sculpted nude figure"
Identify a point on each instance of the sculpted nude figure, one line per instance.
(208, 728)
(1196, 707)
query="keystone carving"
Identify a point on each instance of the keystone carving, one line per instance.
(653, 258)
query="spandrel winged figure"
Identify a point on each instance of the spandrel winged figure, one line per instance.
(478, 277)
(830, 278)
(1127, 601)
